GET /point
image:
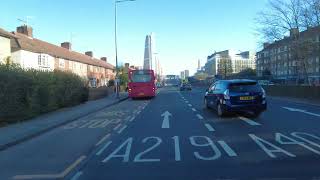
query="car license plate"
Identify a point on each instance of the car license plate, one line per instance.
(246, 98)
(141, 94)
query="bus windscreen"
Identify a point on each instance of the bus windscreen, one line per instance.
(141, 76)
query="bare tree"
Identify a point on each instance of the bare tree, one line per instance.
(279, 17)
(312, 12)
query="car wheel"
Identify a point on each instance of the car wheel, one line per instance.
(219, 110)
(206, 103)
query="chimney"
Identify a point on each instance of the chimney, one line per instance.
(294, 32)
(89, 53)
(103, 59)
(26, 30)
(66, 45)
(265, 45)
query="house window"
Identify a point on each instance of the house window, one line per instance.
(43, 60)
(61, 63)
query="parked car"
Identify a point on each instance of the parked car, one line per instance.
(226, 96)
(185, 86)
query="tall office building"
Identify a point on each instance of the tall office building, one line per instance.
(182, 75)
(186, 74)
(149, 52)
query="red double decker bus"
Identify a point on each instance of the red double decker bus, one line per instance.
(141, 83)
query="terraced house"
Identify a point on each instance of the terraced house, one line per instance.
(278, 58)
(30, 52)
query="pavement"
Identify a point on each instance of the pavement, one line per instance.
(173, 136)
(17, 133)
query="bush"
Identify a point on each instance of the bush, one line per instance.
(28, 93)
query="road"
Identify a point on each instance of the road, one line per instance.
(174, 137)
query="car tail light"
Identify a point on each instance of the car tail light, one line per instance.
(226, 94)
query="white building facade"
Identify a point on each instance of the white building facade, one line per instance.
(5, 47)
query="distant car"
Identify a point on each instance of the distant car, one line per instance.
(226, 96)
(185, 86)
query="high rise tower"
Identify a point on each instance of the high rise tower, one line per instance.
(149, 52)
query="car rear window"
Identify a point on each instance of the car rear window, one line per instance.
(244, 87)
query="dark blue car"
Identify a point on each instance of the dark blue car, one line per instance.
(227, 96)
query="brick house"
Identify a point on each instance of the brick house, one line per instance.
(278, 58)
(30, 52)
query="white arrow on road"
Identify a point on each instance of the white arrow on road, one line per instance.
(165, 122)
(301, 110)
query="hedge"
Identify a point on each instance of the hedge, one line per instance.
(27, 93)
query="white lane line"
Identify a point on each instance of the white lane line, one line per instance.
(103, 139)
(193, 109)
(227, 148)
(209, 127)
(138, 112)
(103, 148)
(249, 121)
(132, 119)
(189, 105)
(77, 175)
(199, 116)
(123, 128)
(187, 101)
(117, 127)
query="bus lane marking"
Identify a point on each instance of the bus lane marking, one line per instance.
(199, 116)
(122, 129)
(249, 121)
(227, 149)
(117, 127)
(103, 139)
(209, 127)
(103, 148)
(270, 152)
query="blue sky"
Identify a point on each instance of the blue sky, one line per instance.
(186, 30)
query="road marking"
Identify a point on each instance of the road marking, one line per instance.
(199, 116)
(301, 110)
(176, 148)
(132, 119)
(165, 122)
(103, 139)
(117, 127)
(189, 105)
(193, 109)
(103, 148)
(227, 149)
(77, 175)
(138, 112)
(187, 101)
(123, 128)
(275, 149)
(52, 176)
(249, 121)
(209, 127)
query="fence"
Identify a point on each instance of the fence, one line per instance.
(306, 92)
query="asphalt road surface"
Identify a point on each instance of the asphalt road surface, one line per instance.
(174, 137)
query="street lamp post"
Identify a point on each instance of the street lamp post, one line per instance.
(116, 44)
